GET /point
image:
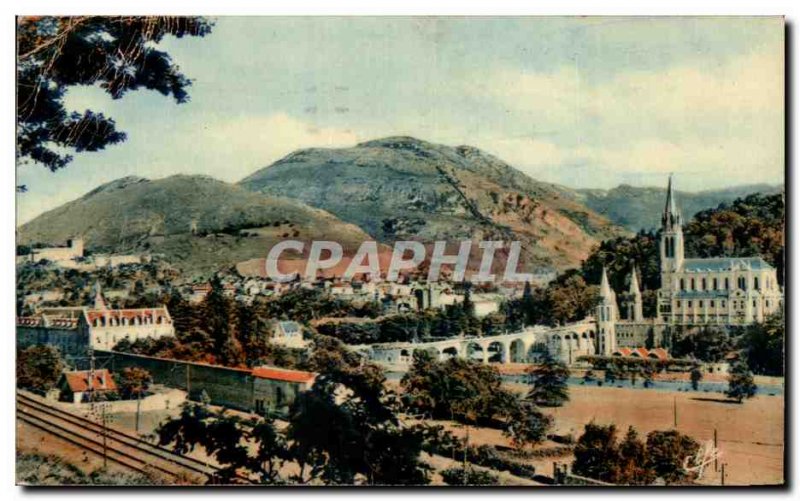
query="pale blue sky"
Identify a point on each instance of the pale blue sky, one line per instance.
(585, 102)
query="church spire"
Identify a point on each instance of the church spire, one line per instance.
(634, 300)
(99, 302)
(671, 215)
(634, 289)
(605, 289)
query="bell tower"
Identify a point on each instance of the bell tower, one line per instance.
(671, 238)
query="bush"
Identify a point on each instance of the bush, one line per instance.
(455, 476)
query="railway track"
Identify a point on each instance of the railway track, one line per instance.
(122, 448)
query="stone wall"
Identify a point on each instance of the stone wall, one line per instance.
(71, 342)
(225, 386)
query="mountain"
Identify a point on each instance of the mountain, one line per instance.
(400, 188)
(198, 223)
(637, 208)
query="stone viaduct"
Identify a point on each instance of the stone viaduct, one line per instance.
(565, 342)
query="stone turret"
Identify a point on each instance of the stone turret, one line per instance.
(634, 305)
(606, 313)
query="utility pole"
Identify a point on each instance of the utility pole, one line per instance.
(105, 434)
(675, 412)
(466, 447)
(716, 467)
(138, 405)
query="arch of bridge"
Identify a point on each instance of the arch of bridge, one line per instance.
(576, 334)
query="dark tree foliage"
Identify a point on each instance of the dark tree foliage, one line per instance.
(133, 382)
(619, 254)
(118, 54)
(304, 305)
(567, 299)
(456, 476)
(225, 437)
(241, 335)
(343, 430)
(599, 455)
(457, 389)
(549, 382)
(740, 382)
(39, 367)
(596, 453)
(708, 344)
(527, 425)
(666, 453)
(749, 226)
(696, 376)
(633, 468)
(346, 426)
(762, 346)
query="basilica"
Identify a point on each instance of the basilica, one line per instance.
(694, 292)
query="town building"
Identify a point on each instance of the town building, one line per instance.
(77, 386)
(264, 390)
(289, 334)
(75, 329)
(694, 292)
(73, 250)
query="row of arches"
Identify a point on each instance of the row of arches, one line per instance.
(102, 321)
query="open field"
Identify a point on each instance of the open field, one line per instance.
(750, 435)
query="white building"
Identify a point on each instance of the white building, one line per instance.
(289, 334)
(74, 329)
(724, 291)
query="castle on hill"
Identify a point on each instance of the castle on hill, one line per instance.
(694, 292)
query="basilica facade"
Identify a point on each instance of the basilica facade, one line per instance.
(694, 292)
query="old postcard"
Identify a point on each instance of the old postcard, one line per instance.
(404, 251)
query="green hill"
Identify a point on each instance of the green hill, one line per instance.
(401, 187)
(198, 223)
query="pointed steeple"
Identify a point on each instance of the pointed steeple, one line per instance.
(671, 215)
(99, 302)
(669, 208)
(634, 289)
(605, 289)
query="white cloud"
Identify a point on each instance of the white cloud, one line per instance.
(688, 118)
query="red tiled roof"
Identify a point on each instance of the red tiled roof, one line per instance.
(659, 353)
(289, 375)
(642, 352)
(625, 352)
(79, 380)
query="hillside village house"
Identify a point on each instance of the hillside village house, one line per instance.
(289, 334)
(74, 329)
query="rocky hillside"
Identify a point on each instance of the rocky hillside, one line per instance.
(637, 208)
(198, 223)
(401, 187)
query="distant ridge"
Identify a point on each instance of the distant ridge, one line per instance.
(639, 208)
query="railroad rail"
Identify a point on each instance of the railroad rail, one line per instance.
(120, 447)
